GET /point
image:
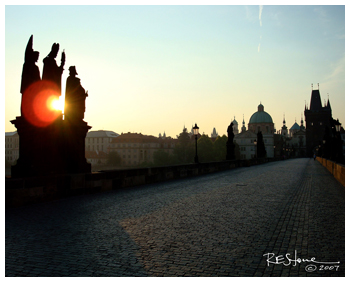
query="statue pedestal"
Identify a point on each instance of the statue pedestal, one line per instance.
(230, 151)
(74, 134)
(56, 149)
(39, 148)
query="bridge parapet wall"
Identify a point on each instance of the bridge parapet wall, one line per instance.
(24, 191)
(337, 170)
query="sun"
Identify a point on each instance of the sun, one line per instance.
(57, 104)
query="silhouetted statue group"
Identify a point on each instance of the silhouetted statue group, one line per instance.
(55, 145)
(75, 93)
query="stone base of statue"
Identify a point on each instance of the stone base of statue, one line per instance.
(55, 149)
(39, 149)
(74, 133)
(230, 151)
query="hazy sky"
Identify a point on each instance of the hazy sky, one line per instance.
(152, 69)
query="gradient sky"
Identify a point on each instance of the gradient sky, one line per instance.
(155, 69)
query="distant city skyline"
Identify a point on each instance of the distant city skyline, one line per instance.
(156, 69)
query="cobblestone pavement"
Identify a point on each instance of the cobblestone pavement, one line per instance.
(234, 223)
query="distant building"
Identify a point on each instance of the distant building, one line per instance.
(214, 134)
(11, 147)
(164, 135)
(295, 127)
(292, 144)
(96, 157)
(296, 144)
(235, 126)
(259, 121)
(135, 148)
(245, 141)
(99, 140)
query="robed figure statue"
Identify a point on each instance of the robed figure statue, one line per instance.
(75, 98)
(230, 134)
(51, 71)
(30, 72)
(230, 146)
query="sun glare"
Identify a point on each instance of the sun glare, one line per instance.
(57, 104)
(40, 103)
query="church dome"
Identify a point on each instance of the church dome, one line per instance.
(235, 121)
(295, 126)
(260, 116)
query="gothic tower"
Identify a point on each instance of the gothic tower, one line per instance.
(317, 120)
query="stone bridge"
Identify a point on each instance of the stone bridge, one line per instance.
(282, 218)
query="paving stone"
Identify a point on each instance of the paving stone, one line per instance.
(204, 226)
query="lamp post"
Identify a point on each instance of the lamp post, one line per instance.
(195, 132)
(338, 143)
(337, 126)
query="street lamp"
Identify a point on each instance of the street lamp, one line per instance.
(338, 142)
(337, 126)
(195, 132)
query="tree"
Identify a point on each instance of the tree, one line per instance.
(220, 148)
(184, 150)
(162, 158)
(205, 149)
(114, 159)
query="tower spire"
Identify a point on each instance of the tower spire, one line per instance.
(243, 129)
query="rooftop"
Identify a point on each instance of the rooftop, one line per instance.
(102, 133)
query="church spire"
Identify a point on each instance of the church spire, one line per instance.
(243, 129)
(284, 129)
(302, 122)
(328, 103)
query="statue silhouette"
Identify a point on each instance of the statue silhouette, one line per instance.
(261, 151)
(30, 71)
(230, 133)
(230, 147)
(75, 97)
(51, 71)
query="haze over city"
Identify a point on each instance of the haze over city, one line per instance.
(156, 69)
